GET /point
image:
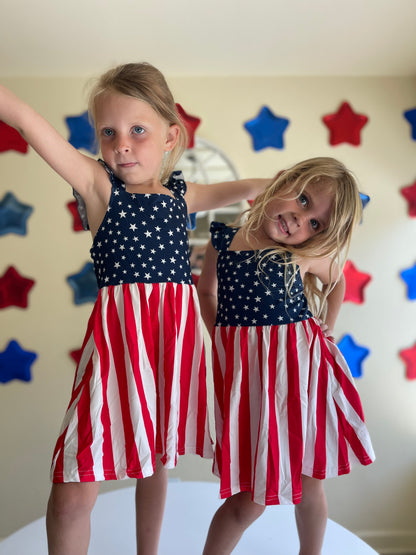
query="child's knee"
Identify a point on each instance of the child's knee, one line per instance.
(244, 510)
(72, 499)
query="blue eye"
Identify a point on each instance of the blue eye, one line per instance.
(138, 129)
(107, 132)
(303, 199)
(314, 224)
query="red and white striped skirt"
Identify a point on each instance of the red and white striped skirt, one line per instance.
(139, 388)
(285, 405)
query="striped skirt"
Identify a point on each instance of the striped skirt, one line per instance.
(139, 388)
(285, 405)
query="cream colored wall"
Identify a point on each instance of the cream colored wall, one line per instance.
(379, 501)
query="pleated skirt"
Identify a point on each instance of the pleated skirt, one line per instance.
(139, 388)
(285, 405)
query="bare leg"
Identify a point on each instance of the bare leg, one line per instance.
(311, 516)
(68, 517)
(229, 523)
(150, 506)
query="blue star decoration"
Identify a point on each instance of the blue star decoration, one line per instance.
(15, 363)
(365, 199)
(410, 115)
(409, 277)
(13, 215)
(84, 284)
(354, 354)
(82, 134)
(267, 129)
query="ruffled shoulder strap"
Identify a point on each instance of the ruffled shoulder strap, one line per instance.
(222, 235)
(176, 184)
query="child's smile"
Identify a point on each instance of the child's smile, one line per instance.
(294, 221)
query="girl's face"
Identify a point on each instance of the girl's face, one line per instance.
(293, 221)
(133, 138)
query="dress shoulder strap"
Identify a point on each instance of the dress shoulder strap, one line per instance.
(222, 235)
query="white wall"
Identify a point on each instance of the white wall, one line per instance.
(379, 501)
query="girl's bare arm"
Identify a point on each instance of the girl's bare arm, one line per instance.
(215, 195)
(83, 173)
(207, 287)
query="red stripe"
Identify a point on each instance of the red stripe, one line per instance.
(294, 412)
(169, 340)
(155, 302)
(244, 417)
(108, 458)
(273, 476)
(261, 387)
(353, 439)
(84, 428)
(321, 405)
(219, 399)
(185, 377)
(228, 383)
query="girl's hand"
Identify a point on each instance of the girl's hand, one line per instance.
(326, 331)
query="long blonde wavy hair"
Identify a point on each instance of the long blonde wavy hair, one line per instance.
(144, 82)
(334, 240)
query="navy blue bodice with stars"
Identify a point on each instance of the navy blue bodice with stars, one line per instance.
(253, 295)
(143, 237)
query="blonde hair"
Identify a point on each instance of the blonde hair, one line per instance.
(144, 82)
(334, 240)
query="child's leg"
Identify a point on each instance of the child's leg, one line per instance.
(150, 506)
(229, 523)
(311, 516)
(68, 517)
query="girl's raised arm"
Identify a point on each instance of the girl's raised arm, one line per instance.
(80, 171)
(207, 197)
(207, 287)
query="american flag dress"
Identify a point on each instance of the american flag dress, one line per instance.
(140, 385)
(285, 401)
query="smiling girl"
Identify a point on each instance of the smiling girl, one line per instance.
(287, 413)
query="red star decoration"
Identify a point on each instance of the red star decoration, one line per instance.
(73, 208)
(355, 282)
(409, 194)
(10, 139)
(345, 125)
(14, 289)
(76, 355)
(190, 122)
(409, 358)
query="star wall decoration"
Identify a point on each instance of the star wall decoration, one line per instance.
(365, 199)
(82, 133)
(76, 222)
(410, 115)
(76, 355)
(354, 354)
(191, 124)
(14, 289)
(345, 125)
(84, 284)
(15, 363)
(13, 215)
(355, 283)
(409, 277)
(11, 139)
(409, 193)
(409, 358)
(267, 129)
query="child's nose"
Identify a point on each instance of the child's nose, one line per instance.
(122, 146)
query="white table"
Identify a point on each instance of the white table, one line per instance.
(189, 509)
